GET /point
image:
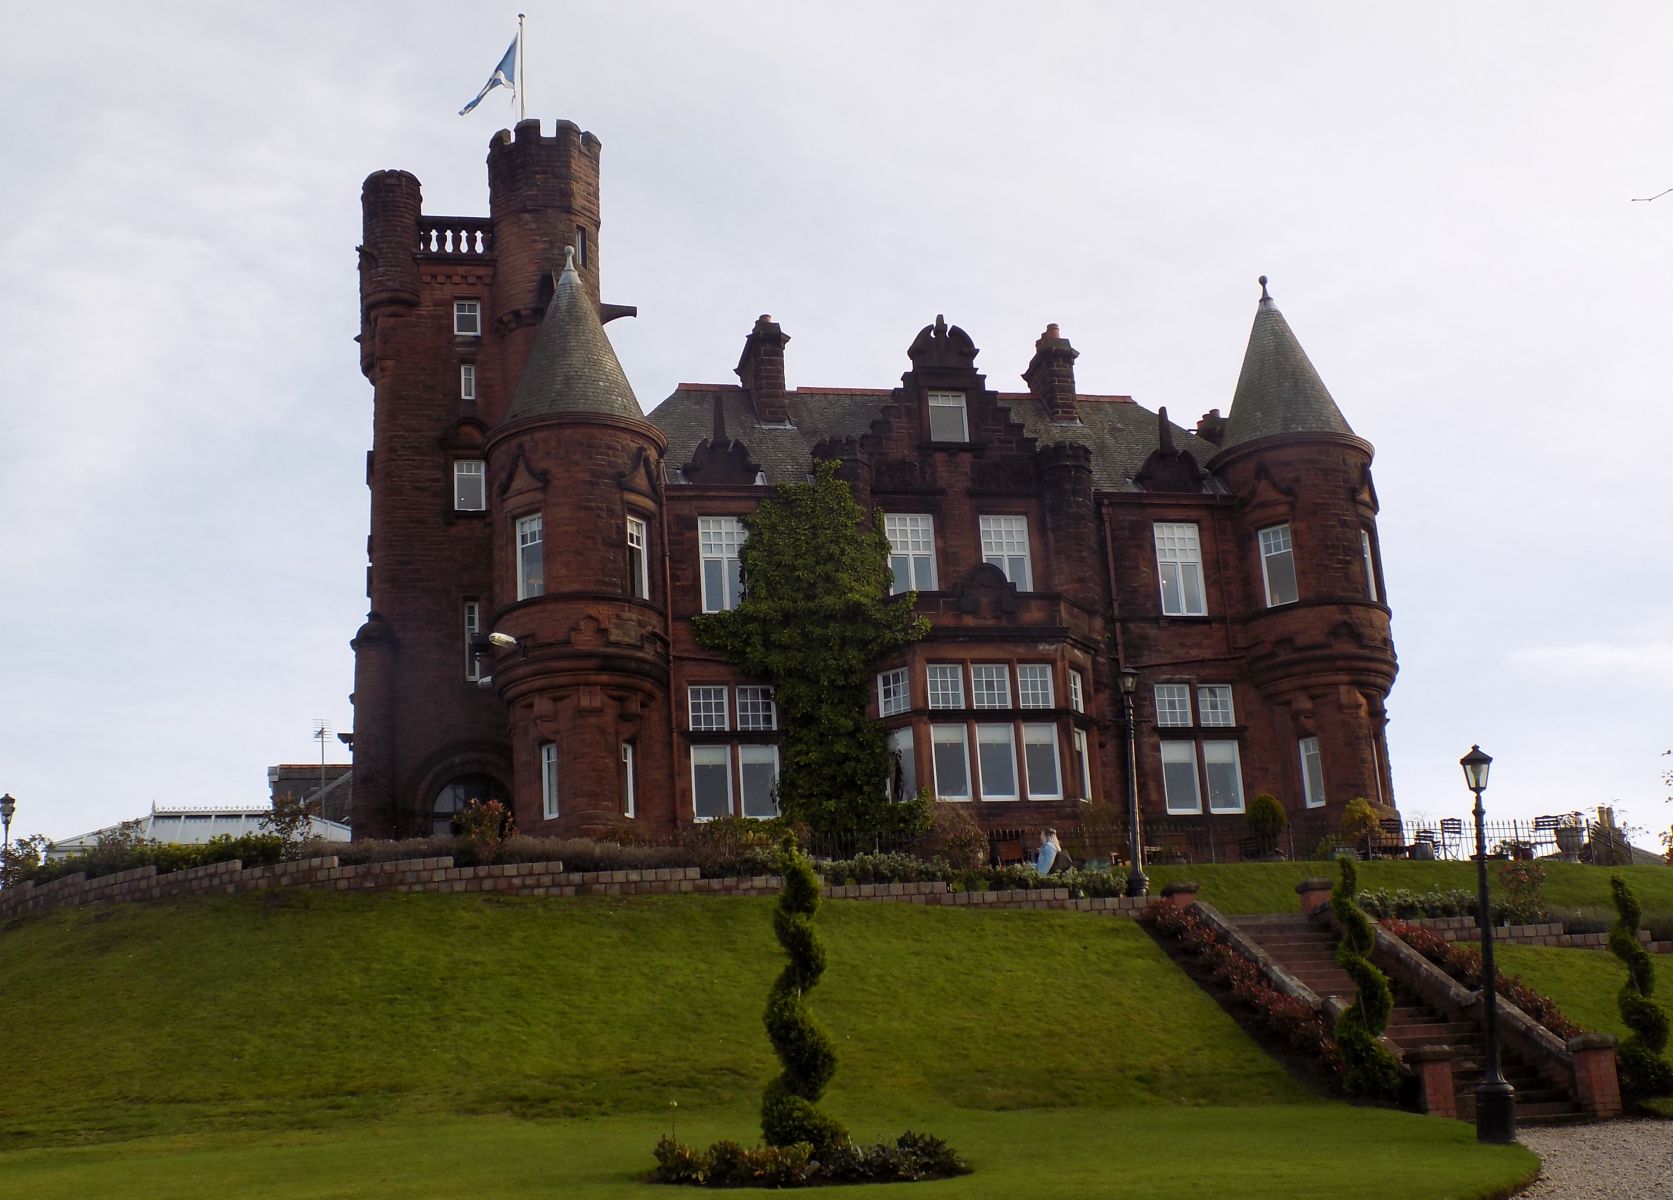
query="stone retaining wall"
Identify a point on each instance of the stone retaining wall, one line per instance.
(1551, 933)
(520, 879)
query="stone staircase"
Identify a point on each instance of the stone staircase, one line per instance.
(1306, 948)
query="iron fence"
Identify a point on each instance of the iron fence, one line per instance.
(1214, 839)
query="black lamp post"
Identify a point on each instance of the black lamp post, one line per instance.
(1495, 1098)
(8, 806)
(1137, 884)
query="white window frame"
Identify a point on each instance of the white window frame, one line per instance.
(950, 735)
(1371, 591)
(1278, 565)
(1179, 564)
(1005, 545)
(1034, 686)
(757, 710)
(473, 627)
(911, 551)
(756, 754)
(708, 707)
(531, 557)
(467, 318)
(467, 382)
(549, 780)
(1173, 706)
(1225, 752)
(470, 485)
(1179, 752)
(947, 402)
(1312, 772)
(894, 692)
(630, 780)
(997, 734)
(1042, 735)
(1215, 706)
(990, 685)
(1077, 691)
(1083, 755)
(638, 559)
(704, 757)
(946, 685)
(719, 539)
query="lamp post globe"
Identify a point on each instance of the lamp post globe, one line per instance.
(1137, 883)
(1495, 1098)
(8, 806)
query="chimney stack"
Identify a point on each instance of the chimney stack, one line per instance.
(761, 370)
(1051, 375)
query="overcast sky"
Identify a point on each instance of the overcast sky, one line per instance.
(1439, 192)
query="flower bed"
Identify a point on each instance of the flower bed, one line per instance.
(1285, 1016)
(1463, 963)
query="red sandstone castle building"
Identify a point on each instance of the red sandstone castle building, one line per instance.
(519, 490)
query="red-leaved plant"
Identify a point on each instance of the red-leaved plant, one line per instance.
(1463, 963)
(1286, 1016)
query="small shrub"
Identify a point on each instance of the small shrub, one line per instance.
(1521, 891)
(909, 1158)
(958, 837)
(1266, 821)
(1359, 820)
(486, 826)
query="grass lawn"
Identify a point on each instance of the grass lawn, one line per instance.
(1584, 983)
(303, 1044)
(1274, 1153)
(1270, 887)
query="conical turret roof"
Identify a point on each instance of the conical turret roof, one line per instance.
(1278, 390)
(573, 368)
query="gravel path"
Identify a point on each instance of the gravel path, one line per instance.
(1599, 1162)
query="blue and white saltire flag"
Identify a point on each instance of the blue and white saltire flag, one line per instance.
(505, 75)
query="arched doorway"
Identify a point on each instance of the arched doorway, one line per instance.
(454, 795)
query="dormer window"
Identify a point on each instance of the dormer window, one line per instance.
(947, 421)
(467, 318)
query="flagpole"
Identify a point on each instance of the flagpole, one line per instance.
(522, 72)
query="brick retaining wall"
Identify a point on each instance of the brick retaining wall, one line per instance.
(518, 879)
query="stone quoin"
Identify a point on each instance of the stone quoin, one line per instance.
(518, 489)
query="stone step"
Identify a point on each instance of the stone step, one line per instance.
(1448, 1033)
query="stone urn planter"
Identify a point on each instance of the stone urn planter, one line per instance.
(1569, 840)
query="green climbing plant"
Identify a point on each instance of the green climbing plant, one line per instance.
(1643, 1069)
(1371, 1071)
(816, 619)
(788, 1109)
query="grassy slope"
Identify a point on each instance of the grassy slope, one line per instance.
(312, 1009)
(1270, 887)
(300, 1044)
(1584, 983)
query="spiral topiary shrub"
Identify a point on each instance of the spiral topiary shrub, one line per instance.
(804, 1146)
(1643, 1069)
(788, 1112)
(1370, 1071)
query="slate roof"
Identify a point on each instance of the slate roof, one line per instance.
(1278, 390)
(572, 368)
(1120, 433)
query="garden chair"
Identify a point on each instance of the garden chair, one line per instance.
(1452, 832)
